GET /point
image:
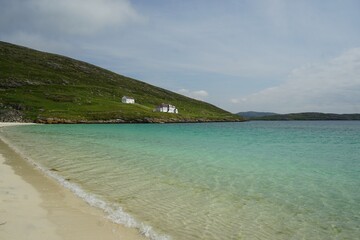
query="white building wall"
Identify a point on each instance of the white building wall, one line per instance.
(167, 109)
(127, 100)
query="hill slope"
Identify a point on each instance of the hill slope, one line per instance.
(252, 114)
(38, 86)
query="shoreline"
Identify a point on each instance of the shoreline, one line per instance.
(9, 124)
(34, 206)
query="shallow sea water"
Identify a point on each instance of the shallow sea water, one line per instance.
(253, 180)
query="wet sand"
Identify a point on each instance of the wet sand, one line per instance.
(34, 206)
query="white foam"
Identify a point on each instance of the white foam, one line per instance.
(114, 212)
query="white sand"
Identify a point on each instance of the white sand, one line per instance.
(20, 213)
(9, 124)
(33, 206)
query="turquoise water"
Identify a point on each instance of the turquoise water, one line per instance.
(253, 180)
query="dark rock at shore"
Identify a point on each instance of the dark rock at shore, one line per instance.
(11, 115)
(145, 120)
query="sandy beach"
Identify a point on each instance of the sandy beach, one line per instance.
(34, 206)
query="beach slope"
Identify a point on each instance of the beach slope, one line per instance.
(33, 206)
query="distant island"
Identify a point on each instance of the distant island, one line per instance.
(253, 114)
(298, 116)
(42, 87)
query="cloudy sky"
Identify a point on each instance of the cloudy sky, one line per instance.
(262, 55)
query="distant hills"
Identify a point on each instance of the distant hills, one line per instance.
(44, 87)
(298, 116)
(252, 114)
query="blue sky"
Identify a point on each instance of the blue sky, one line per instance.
(275, 55)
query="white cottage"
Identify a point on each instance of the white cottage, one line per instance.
(126, 99)
(166, 108)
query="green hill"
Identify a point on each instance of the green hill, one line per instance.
(253, 114)
(44, 87)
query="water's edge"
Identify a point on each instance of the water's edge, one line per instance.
(113, 212)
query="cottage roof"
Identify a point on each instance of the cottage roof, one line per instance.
(127, 97)
(166, 105)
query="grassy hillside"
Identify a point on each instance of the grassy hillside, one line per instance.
(35, 86)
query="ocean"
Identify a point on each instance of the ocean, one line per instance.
(252, 180)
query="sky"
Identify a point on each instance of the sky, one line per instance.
(241, 55)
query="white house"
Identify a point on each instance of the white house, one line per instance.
(166, 108)
(126, 99)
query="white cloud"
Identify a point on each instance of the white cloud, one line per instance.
(234, 100)
(332, 86)
(200, 94)
(75, 17)
(40, 42)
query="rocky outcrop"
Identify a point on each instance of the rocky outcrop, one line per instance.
(145, 120)
(67, 121)
(11, 115)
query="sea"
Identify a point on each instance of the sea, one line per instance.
(249, 180)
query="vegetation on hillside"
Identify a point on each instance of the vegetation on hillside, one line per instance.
(39, 86)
